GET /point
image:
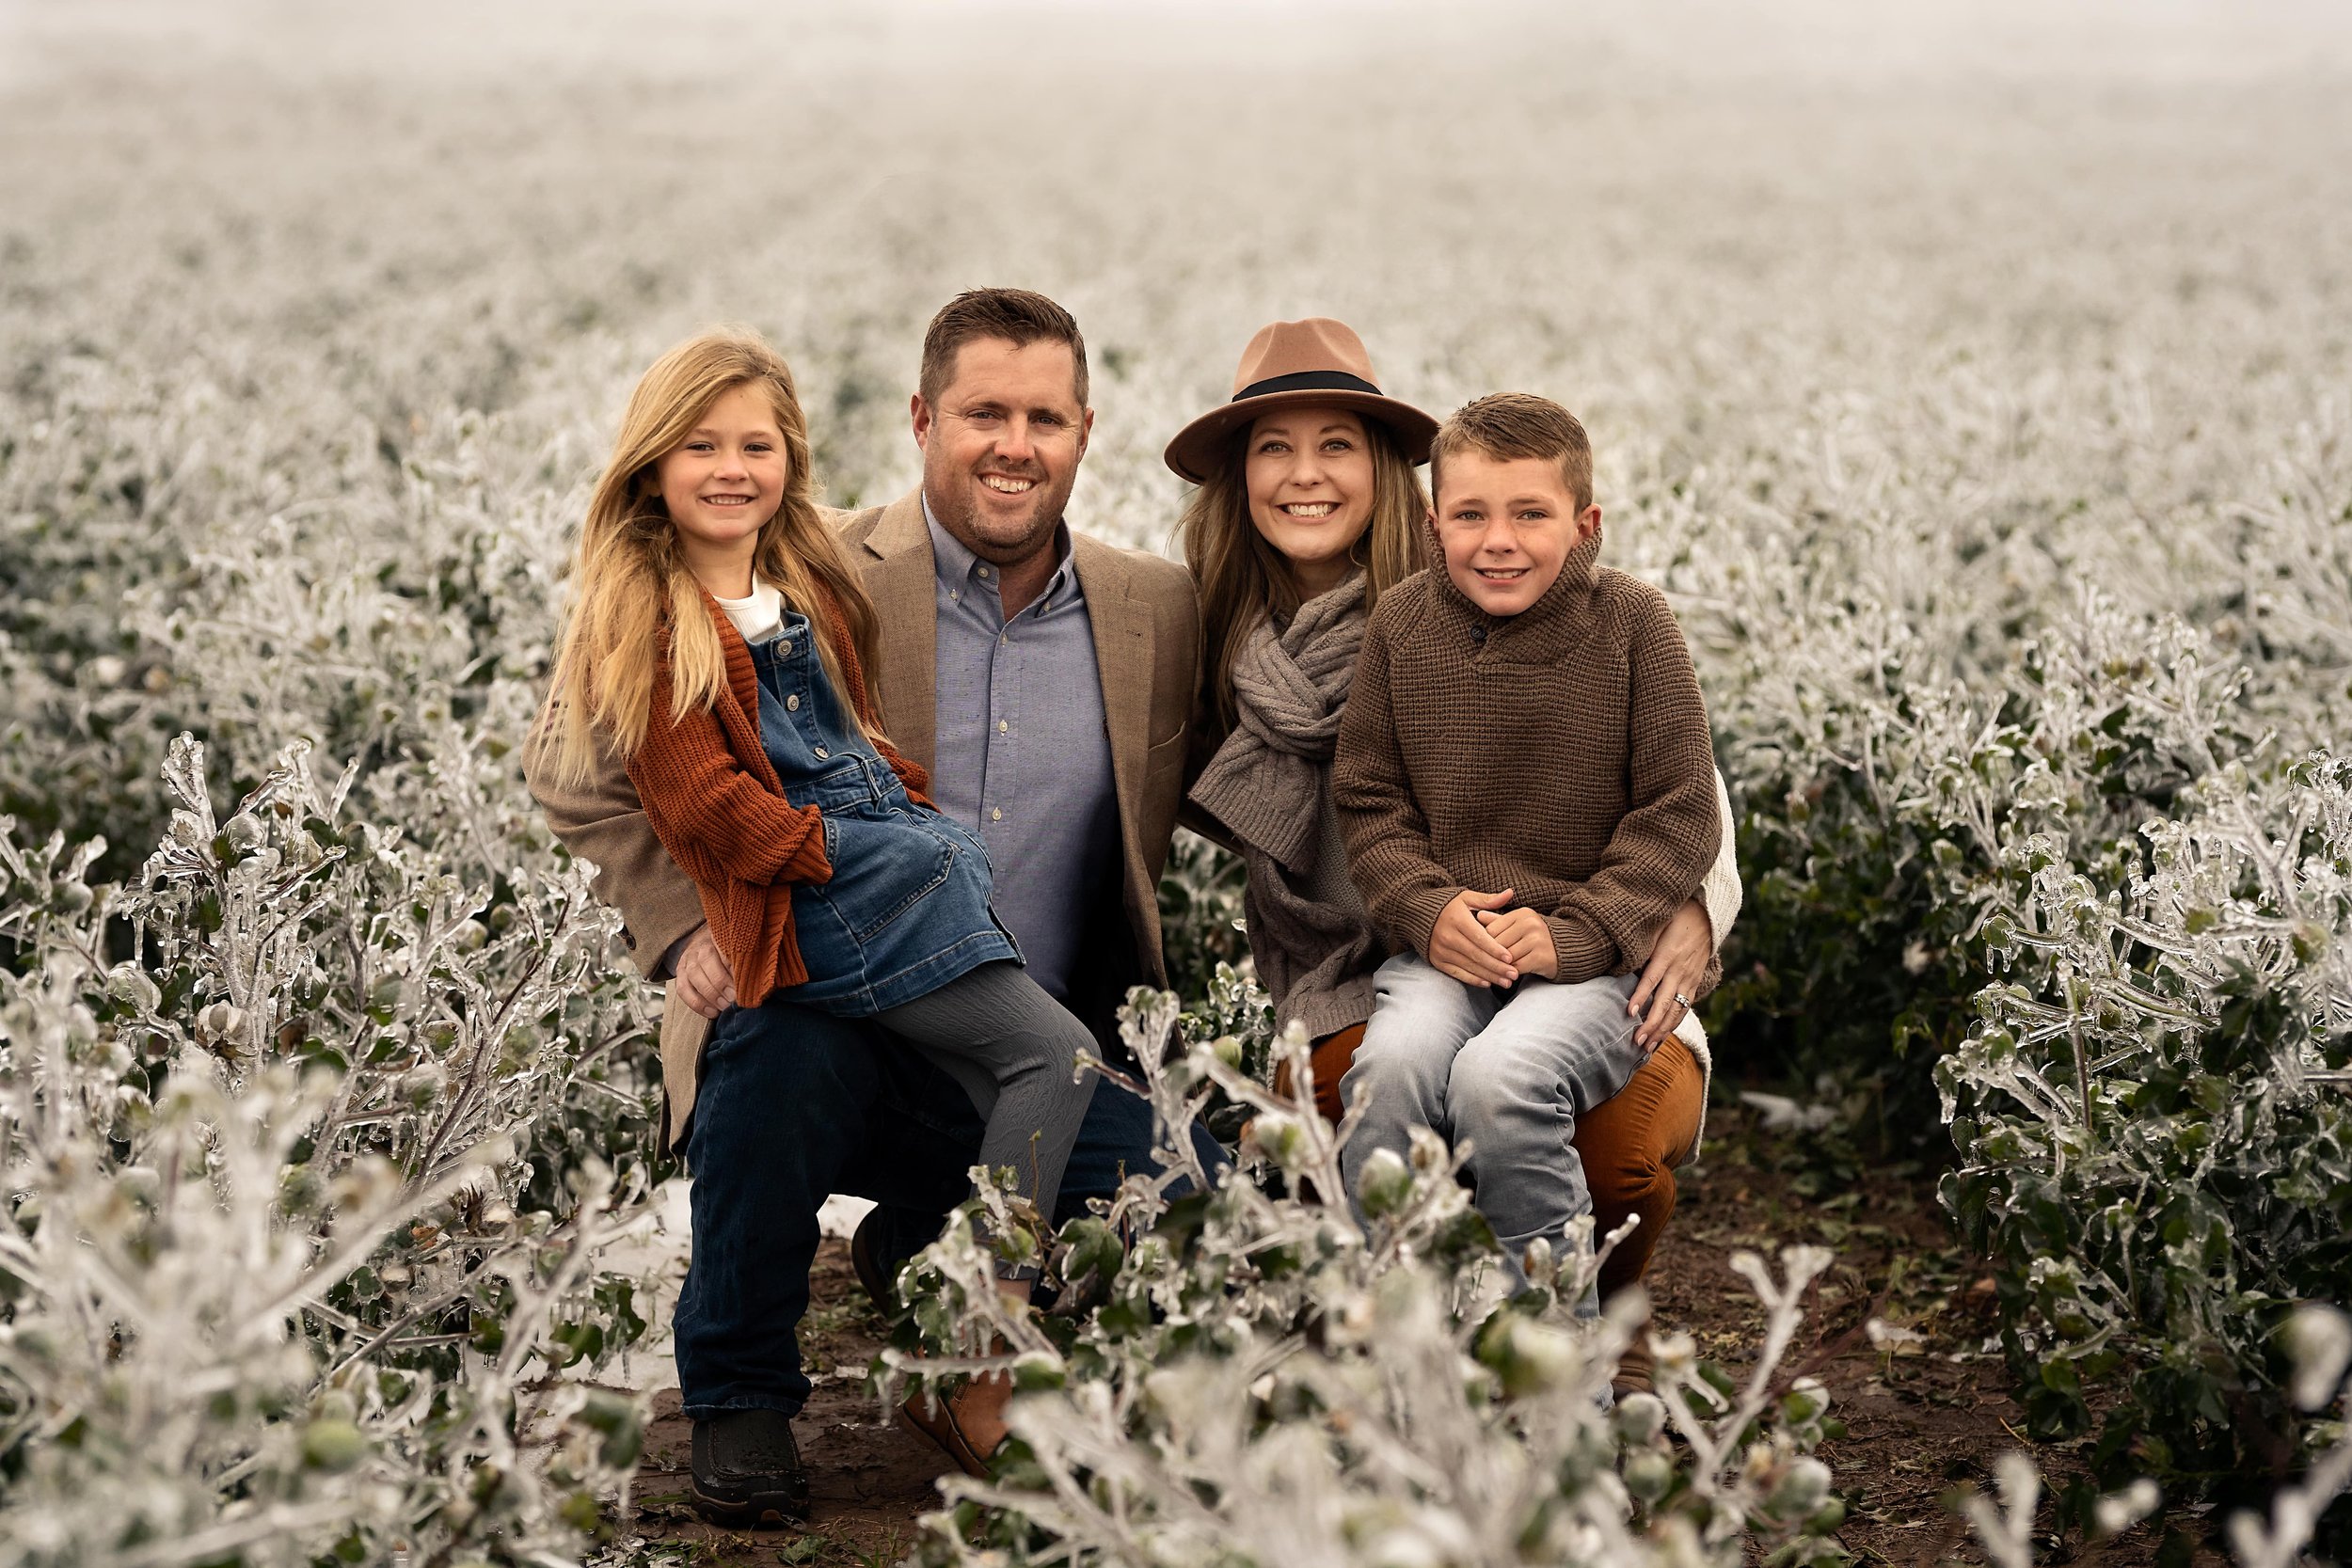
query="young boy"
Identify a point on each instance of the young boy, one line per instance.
(1526, 784)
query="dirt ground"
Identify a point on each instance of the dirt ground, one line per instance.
(868, 1476)
(1926, 1414)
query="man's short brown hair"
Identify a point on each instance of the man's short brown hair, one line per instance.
(1019, 316)
(1509, 425)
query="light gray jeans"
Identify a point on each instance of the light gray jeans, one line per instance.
(1508, 1070)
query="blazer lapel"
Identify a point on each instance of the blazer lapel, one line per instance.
(903, 580)
(1122, 657)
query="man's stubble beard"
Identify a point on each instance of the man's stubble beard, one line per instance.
(959, 517)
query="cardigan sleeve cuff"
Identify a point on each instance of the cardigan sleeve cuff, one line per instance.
(808, 861)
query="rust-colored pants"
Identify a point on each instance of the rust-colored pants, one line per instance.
(1631, 1142)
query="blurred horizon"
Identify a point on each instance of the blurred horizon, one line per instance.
(1814, 41)
(1631, 210)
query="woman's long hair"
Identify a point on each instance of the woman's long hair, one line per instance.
(630, 580)
(1244, 580)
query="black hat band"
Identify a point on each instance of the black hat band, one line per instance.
(1308, 381)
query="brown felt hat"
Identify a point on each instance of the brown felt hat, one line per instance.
(1317, 362)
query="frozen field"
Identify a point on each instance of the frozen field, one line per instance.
(1949, 320)
(1901, 344)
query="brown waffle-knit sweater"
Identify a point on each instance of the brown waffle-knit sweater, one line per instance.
(1562, 753)
(714, 801)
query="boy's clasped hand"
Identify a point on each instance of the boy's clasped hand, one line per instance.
(1480, 941)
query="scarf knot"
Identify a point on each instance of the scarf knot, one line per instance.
(1267, 783)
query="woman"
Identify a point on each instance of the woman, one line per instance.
(1308, 509)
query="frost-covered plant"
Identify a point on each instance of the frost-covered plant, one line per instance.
(297, 1229)
(1887, 795)
(2318, 1347)
(1235, 1015)
(1201, 919)
(2156, 1130)
(291, 429)
(1242, 1375)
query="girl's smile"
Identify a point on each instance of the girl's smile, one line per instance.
(721, 484)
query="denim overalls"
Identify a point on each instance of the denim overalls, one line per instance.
(907, 910)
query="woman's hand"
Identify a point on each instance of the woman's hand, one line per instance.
(703, 983)
(1673, 971)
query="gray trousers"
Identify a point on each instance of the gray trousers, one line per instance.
(1015, 1049)
(1508, 1070)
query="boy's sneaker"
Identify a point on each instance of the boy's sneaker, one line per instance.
(747, 1469)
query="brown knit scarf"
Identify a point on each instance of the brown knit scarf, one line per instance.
(1267, 784)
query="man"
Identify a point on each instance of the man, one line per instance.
(1045, 679)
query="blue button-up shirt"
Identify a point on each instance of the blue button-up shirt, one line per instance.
(1022, 751)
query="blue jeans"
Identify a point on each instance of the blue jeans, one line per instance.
(844, 1109)
(1508, 1070)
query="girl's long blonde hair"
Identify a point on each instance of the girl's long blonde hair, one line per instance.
(1244, 580)
(630, 580)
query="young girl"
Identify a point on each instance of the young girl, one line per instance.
(719, 641)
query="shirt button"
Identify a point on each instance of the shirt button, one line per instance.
(782, 648)
(953, 595)
(1002, 727)
(995, 814)
(983, 571)
(1002, 640)
(823, 754)
(792, 703)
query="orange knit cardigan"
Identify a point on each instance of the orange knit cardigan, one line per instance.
(714, 801)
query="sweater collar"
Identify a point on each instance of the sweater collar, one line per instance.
(1552, 625)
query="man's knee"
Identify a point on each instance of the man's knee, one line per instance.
(786, 1083)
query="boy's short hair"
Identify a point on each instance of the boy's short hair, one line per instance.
(1509, 425)
(1019, 316)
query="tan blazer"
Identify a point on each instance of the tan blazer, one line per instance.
(1146, 621)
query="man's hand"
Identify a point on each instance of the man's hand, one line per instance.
(704, 982)
(1526, 938)
(1675, 967)
(1460, 946)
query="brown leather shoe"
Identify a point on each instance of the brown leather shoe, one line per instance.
(942, 1422)
(1634, 1368)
